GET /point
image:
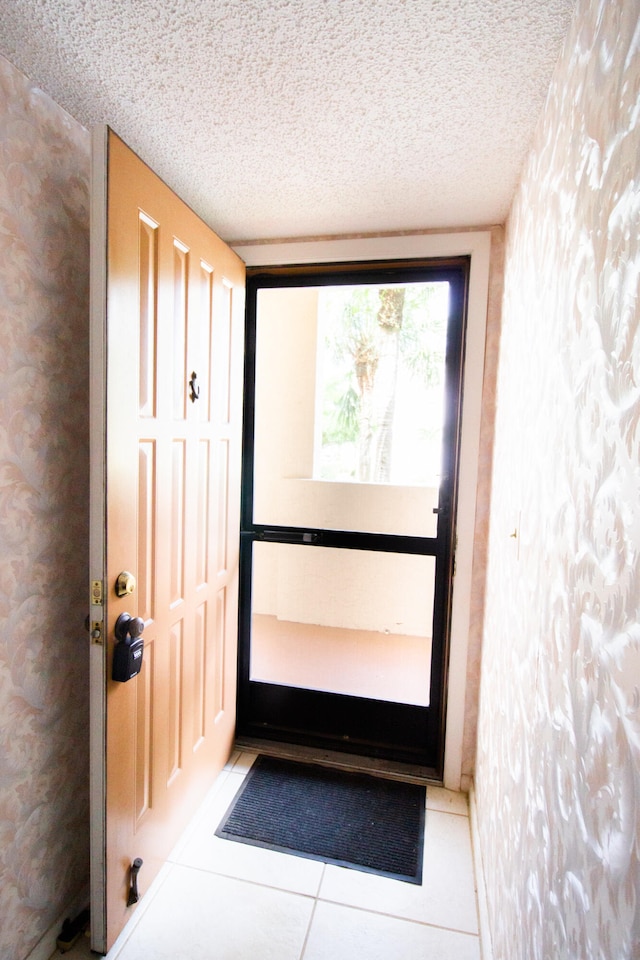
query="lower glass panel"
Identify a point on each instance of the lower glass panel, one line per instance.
(351, 622)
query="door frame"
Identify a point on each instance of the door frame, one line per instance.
(97, 532)
(477, 245)
(398, 732)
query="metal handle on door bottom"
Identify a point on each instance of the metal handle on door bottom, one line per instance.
(134, 870)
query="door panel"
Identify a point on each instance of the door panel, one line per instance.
(170, 321)
(352, 425)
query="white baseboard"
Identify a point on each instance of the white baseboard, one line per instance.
(486, 947)
(46, 946)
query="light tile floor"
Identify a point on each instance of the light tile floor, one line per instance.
(220, 900)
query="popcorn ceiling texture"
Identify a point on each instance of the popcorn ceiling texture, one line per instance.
(306, 118)
(558, 768)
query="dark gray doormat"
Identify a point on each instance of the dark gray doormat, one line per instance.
(350, 819)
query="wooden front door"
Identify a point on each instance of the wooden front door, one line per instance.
(167, 324)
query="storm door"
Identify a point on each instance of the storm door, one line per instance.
(351, 433)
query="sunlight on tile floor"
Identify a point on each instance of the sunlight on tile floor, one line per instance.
(219, 900)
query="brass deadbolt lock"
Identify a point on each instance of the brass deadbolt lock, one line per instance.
(125, 584)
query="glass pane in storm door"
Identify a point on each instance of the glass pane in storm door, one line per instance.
(349, 406)
(353, 622)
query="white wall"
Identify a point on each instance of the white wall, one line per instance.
(558, 773)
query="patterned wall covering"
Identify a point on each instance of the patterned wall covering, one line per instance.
(44, 257)
(558, 771)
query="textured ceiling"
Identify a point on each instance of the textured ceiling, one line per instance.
(279, 118)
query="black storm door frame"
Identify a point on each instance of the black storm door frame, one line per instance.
(292, 715)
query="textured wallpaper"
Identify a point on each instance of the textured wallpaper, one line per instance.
(44, 281)
(558, 770)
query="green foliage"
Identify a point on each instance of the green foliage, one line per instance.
(341, 412)
(353, 343)
(422, 336)
(354, 332)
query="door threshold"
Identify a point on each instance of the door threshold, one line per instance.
(389, 769)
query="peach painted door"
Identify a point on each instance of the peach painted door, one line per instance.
(167, 309)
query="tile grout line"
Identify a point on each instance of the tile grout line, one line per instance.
(308, 933)
(395, 916)
(316, 900)
(253, 883)
(321, 880)
(449, 813)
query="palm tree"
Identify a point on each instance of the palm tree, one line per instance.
(389, 319)
(382, 331)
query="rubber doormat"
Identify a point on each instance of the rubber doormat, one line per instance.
(349, 819)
